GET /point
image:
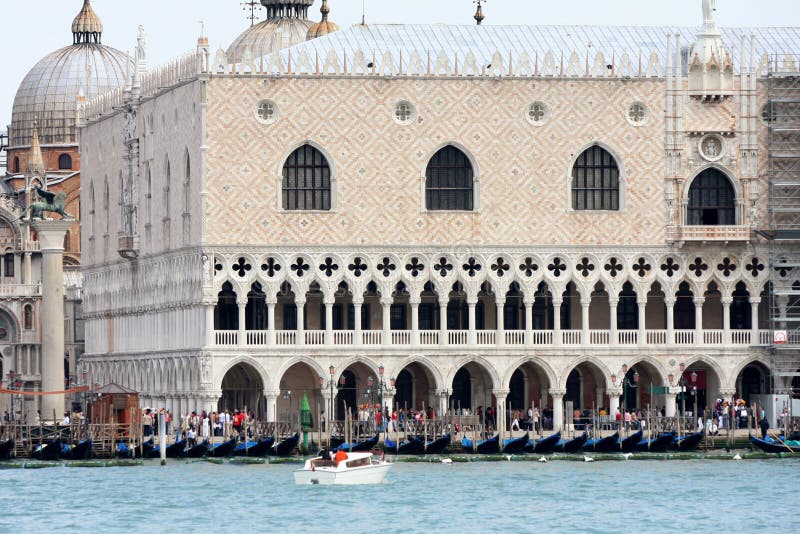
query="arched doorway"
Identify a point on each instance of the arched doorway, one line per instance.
(415, 388)
(755, 379)
(353, 389)
(472, 388)
(642, 381)
(299, 381)
(529, 387)
(462, 391)
(701, 384)
(243, 389)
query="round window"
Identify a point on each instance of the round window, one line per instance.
(536, 113)
(637, 114)
(267, 112)
(404, 112)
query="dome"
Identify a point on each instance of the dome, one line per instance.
(287, 24)
(323, 27)
(49, 91)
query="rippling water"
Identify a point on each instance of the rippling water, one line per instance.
(642, 496)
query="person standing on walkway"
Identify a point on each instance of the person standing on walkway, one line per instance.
(764, 425)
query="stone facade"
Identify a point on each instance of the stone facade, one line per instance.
(234, 300)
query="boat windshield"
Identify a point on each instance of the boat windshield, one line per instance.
(319, 462)
(360, 462)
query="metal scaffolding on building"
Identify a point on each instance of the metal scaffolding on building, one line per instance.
(4, 151)
(782, 115)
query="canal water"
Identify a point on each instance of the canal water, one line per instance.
(611, 496)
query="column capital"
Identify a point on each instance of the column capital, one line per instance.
(298, 301)
(501, 393)
(444, 301)
(586, 301)
(613, 301)
(414, 301)
(726, 301)
(387, 301)
(557, 301)
(472, 300)
(271, 299)
(614, 392)
(328, 300)
(272, 393)
(51, 233)
(556, 392)
(442, 393)
(755, 300)
(358, 300)
(500, 301)
(642, 301)
(241, 300)
(699, 301)
(670, 301)
(727, 393)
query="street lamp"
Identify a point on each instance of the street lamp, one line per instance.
(342, 382)
(332, 369)
(368, 394)
(288, 396)
(381, 387)
(694, 392)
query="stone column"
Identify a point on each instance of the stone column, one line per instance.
(754, 332)
(357, 338)
(612, 309)
(444, 399)
(328, 302)
(472, 336)
(585, 303)
(443, 321)
(557, 321)
(642, 304)
(558, 408)
(500, 303)
(241, 302)
(208, 309)
(386, 304)
(529, 320)
(272, 405)
(51, 238)
(500, 396)
(27, 277)
(414, 321)
(671, 402)
(669, 302)
(726, 320)
(271, 319)
(301, 323)
(698, 320)
(613, 404)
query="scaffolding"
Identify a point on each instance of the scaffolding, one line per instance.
(782, 115)
(3, 152)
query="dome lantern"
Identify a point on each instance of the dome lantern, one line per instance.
(87, 27)
(323, 27)
(286, 25)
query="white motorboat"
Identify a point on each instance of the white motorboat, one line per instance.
(357, 468)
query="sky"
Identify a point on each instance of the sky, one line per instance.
(33, 29)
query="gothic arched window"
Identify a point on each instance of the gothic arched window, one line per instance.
(27, 317)
(306, 180)
(449, 181)
(595, 181)
(65, 162)
(16, 165)
(712, 200)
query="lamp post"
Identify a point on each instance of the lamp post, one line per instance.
(11, 376)
(381, 387)
(626, 383)
(342, 382)
(288, 396)
(332, 369)
(368, 394)
(694, 392)
(682, 384)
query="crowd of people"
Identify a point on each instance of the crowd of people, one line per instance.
(202, 425)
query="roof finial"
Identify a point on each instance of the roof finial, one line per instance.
(35, 161)
(708, 14)
(87, 27)
(324, 10)
(479, 13)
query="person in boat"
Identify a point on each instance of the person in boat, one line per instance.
(764, 426)
(191, 437)
(339, 457)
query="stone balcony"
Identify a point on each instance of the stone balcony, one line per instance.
(463, 339)
(714, 234)
(20, 290)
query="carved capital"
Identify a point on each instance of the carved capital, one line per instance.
(556, 392)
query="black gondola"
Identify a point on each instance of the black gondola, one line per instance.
(438, 446)
(199, 450)
(221, 450)
(606, 444)
(515, 445)
(686, 443)
(287, 446)
(658, 444)
(629, 444)
(81, 451)
(254, 448)
(363, 446)
(6, 449)
(573, 445)
(773, 446)
(176, 450)
(47, 451)
(486, 446)
(545, 445)
(412, 446)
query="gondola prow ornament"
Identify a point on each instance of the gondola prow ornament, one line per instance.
(52, 202)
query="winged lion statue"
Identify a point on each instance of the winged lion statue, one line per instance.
(51, 202)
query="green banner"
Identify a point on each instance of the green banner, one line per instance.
(659, 390)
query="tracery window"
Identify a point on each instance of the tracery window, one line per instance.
(712, 200)
(449, 181)
(595, 181)
(306, 180)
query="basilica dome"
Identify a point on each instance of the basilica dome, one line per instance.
(49, 92)
(286, 25)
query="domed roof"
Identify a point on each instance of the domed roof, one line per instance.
(286, 25)
(323, 27)
(49, 91)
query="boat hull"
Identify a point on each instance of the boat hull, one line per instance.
(373, 474)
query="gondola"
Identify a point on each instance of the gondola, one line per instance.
(686, 443)
(773, 446)
(438, 446)
(81, 451)
(573, 445)
(124, 450)
(658, 444)
(515, 445)
(199, 450)
(629, 444)
(47, 451)
(287, 446)
(412, 446)
(221, 450)
(176, 450)
(6, 449)
(606, 444)
(254, 448)
(363, 446)
(545, 445)
(486, 446)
